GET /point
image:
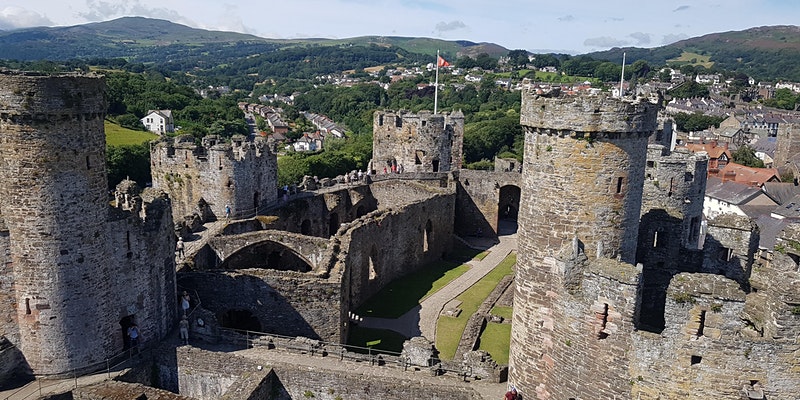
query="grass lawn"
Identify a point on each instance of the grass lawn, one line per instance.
(379, 339)
(119, 136)
(495, 340)
(464, 253)
(450, 329)
(504, 312)
(687, 57)
(407, 292)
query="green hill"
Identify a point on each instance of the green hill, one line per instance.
(766, 53)
(153, 40)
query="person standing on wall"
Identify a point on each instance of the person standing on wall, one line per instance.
(185, 303)
(133, 335)
(179, 247)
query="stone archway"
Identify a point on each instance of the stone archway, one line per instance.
(508, 209)
(240, 319)
(268, 255)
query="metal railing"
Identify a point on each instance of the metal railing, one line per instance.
(340, 351)
(69, 380)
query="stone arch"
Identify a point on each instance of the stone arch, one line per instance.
(267, 254)
(508, 207)
(240, 319)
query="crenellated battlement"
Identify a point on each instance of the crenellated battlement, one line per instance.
(239, 173)
(596, 114)
(421, 142)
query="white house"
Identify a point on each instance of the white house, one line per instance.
(159, 121)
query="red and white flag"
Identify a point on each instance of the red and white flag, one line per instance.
(442, 62)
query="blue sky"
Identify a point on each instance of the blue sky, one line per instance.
(564, 26)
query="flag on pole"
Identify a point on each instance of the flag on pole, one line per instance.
(441, 62)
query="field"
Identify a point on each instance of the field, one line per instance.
(693, 59)
(119, 136)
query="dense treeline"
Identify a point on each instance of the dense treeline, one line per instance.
(695, 122)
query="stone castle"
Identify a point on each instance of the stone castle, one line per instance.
(202, 180)
(622, 290)
(76, 272)
(422, 142)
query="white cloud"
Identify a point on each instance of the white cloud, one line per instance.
(566, 18)
(641, 38)
(604, 41)
(12, 17)
(450, 26)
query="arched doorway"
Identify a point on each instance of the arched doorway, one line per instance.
(269, 255)
(508, 209)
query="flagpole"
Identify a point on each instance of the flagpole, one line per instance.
(622, 75)
(436, 89)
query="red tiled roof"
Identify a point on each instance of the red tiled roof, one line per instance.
(714, 150)
(748, 175)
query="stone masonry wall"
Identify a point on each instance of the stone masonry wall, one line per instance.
(9, 328)
(284, 302)
(240, 174)
(209, 375)
(53, 195)
(422, 142)
(582, 183)
(788, 145)
(389, 244)
(707, 350)
(79, 266)
(479, 200)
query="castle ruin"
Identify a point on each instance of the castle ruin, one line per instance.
(202, 179)
(422, 142)
(76, 272)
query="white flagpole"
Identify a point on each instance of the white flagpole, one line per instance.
(436, 89)
(622, 76)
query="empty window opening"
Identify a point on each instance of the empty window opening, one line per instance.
(702, 323)
(688, 177)
(427, 236)
(651, 164)
(725, 254)
(305, 227)
(619, 185)
(671, 181)
(88, 163)
(694, 231)
(424, 123)
(28, 306)
(398, 122)
(380, 120)
(696, 360)
(435, 164)
(603, 317)
(373, 255)
(256, 201)
(128, 240)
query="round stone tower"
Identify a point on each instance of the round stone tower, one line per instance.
(581, 198)
(54, 202)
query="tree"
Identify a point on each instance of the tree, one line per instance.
(689, 89)
(746, 156)
(128, 161)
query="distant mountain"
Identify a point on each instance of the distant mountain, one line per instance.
(766, 53)
(150, 40)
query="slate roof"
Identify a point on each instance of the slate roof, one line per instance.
(730, 192)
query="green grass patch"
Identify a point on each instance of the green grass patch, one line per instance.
(463, 253)
(407, 292)
(495, 340)
(450, 329)
(378, 339)
(119, 136)
(688, 57)
(504, 312)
